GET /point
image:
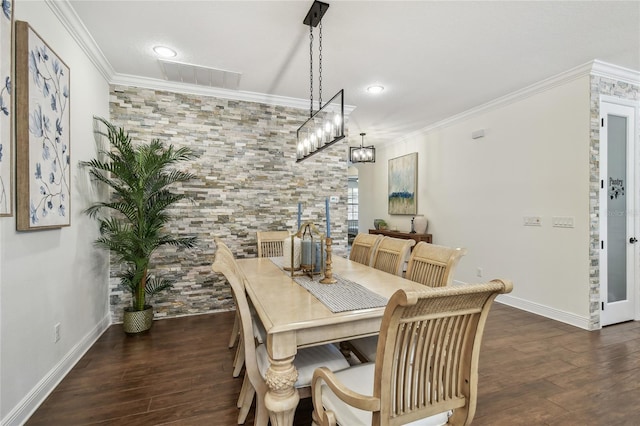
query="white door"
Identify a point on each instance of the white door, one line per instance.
(618, 223)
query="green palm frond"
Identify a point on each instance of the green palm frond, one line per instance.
(139, 176)
(156, 285)
(182, 242)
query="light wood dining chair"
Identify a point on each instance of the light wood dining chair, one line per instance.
(429, 264)
(270, 243)
(363, 247)
(256, 359)
(433, 265)
(426, 369)
(238, 360)
(391, 254)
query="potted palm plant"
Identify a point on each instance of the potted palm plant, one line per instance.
(138, 176)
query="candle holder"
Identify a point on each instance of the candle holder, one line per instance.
(312, 250)
(328, 272)
(291, 248)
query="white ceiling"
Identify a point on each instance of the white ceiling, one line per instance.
(435, 59)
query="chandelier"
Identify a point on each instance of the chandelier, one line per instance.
(362, 154)
(326, 125)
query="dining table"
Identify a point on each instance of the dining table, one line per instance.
(298, 312)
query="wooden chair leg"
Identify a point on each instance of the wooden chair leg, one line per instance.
(238, 362)
(243, 390)
(247, 399)
(235, 333)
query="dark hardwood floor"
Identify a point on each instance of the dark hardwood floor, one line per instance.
(533, 371)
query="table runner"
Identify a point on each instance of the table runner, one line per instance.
(344, 295)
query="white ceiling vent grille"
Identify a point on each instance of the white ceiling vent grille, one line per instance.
(199, 75)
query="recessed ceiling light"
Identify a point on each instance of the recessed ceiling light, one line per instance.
(375, 89)
(164, 51)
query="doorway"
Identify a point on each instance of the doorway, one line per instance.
(618, 219)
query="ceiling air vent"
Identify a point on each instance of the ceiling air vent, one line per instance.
(199, 75)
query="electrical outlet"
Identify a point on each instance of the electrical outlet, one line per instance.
(479, 272)
(56, 333)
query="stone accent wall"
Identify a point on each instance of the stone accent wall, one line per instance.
(248, 180)
(622, 90)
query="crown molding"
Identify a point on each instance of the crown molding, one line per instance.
(615, 72)
(67, 15)
(518, 95)
(595, 67)
(193, 89)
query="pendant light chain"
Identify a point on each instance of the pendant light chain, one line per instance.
(311, 70)
(320, 68)
(325, 125)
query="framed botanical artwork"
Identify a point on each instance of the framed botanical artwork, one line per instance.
(403, 179)
(6, 108)
(43, 166)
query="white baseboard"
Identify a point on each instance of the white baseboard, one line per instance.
(28, 405)
(545, 311)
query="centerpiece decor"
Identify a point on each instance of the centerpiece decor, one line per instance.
(308, 251)
(292, 245)
(328, 271)
(312, 254)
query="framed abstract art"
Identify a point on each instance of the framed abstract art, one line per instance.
(6, 108)
(403, 179)
(43, 166)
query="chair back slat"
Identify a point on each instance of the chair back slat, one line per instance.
(433, 265)
(272, 248)
(360, 254)
(391, 255)
(271, 243)
(428, 350)
(363, 247)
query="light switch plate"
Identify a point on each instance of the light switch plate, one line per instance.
(334, 199)
(562, 222)
(532, 221)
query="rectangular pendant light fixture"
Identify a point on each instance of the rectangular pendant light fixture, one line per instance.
(325, 126)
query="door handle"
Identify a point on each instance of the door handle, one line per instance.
(633, 240)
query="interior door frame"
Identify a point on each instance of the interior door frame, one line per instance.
(633, 157)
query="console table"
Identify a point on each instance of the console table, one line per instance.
(404, 235)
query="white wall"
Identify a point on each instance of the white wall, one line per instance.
(53, 276)
(533, 161)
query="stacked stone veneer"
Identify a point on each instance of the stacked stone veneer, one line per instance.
(247, 180)
(622, 90)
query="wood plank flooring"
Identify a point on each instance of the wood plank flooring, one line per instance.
(533, 371)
